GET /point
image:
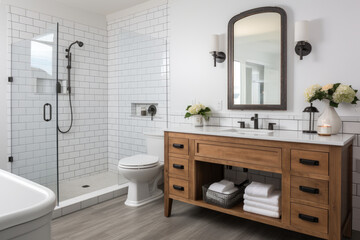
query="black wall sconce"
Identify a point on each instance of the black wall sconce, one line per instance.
(217, 55)
(302, 48)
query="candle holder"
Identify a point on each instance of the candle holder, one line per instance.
(310, 114)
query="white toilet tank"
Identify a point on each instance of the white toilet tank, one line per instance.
(155, 143)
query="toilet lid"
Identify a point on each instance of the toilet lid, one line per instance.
(139, 161)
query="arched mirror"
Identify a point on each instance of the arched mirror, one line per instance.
(257, 60)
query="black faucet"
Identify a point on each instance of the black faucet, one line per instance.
(256, 121)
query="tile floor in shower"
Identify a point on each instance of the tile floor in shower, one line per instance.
(74, 188)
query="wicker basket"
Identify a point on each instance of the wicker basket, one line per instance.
(220, 199)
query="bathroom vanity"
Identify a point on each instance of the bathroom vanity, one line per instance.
(316, 174)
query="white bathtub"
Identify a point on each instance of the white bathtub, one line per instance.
(25, 208)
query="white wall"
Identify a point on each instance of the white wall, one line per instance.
(332, 34)
(3, 88)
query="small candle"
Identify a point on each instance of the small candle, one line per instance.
(324, 130)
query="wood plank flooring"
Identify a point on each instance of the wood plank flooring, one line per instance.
(112, 220)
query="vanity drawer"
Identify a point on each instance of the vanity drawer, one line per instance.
(179, 187)
(309, 218)
(179, 145)
(179, 167)
(309, 162)
(257, 155)
(309, 189)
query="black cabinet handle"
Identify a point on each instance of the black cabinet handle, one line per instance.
(176, 145)
(309, 162)
(309, 190)
(44, 112)
(179, 188)
(308, 218)
(178, 166)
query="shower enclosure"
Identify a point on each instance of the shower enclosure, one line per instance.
(34, 73)
(73, 162)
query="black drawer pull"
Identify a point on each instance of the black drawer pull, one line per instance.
(178, 166)
(308, 218)
(179, 188)
(309, 190)
(176, 145)
(309, 162)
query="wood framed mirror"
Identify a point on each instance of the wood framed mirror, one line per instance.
(257, 60)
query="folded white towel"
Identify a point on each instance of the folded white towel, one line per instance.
(262, 206)
(273, 199)
(230, 191)
(261, 211)
(221, 186)
(257, 189)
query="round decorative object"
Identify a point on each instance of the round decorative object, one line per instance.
(197, 120)
(330, 118)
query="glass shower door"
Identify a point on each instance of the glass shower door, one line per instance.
(34, 109)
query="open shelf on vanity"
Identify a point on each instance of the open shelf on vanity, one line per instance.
(216, 172)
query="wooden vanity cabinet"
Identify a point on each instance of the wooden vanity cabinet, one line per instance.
(315, 179)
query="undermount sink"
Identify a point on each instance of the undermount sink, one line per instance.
(248, 131)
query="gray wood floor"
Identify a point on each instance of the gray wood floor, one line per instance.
(113, 220)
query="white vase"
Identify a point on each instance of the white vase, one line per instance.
(197, 120)
(330, 117)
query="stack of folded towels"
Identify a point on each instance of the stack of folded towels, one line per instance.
(224, 187)
(262, 199)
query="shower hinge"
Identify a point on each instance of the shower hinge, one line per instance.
(10, 79)
(11, 159)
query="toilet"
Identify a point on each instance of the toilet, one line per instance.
(145, 171)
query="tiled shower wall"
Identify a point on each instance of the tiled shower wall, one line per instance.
(82, 151)
(138, 68)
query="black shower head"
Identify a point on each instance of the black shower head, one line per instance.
(78, 43)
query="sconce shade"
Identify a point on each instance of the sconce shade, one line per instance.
(301, 31)
(214, 43)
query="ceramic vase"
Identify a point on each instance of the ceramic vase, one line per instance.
(330, 117)
(197, 120)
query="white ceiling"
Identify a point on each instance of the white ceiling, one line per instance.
(102, 7)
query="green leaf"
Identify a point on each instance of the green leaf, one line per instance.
(187, 115)
(188, 107)
(334, 104)
(355, 100)
(336, 85)
(207, 109)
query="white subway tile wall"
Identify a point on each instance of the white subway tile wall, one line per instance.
(82, 151)
(138, 67)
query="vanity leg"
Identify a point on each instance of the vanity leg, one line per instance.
(167, 206)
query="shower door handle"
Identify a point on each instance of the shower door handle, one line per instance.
(47, 106)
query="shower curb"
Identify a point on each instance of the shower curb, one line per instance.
(89, 199)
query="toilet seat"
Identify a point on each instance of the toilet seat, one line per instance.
(140, 161)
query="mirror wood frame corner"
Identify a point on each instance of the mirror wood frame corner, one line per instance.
(283, 63)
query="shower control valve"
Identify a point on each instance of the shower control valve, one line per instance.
(152, 111)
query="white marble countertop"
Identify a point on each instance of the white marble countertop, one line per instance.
(276, 135)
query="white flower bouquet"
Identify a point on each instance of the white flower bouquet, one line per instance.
(335, 93)
(198, 109)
